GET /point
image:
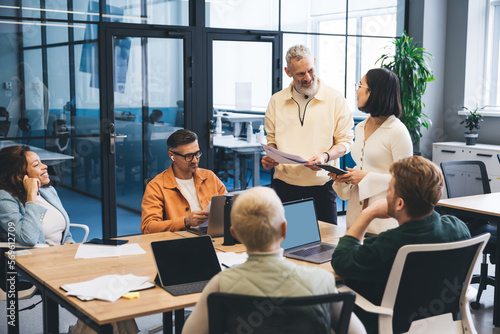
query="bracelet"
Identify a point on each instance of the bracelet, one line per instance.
(327, 155)
(185, 223)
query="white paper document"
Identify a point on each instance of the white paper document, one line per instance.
(92, 251)
(108, 287)
(231, 259)
(283, 157)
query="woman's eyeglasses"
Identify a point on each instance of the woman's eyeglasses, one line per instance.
(358, 85)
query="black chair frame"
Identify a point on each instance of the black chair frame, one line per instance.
(221, 306)
(483, 279)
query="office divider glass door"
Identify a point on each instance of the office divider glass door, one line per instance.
(146, 105)
(242, 77)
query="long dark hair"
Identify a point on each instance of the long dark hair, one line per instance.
(384, 99)
(13, 167)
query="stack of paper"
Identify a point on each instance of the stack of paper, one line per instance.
(108, 288)
(231, 259)
(91, 251)
(283, 157)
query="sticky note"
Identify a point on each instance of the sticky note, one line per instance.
(131, 295)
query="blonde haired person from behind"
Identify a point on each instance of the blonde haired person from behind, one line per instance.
(258, 221)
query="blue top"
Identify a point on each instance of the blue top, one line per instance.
(24, 222)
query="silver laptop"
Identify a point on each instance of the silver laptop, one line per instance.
(303, 239)
(214, 227)
(185, 265)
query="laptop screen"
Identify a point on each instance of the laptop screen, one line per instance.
(302, 224)
(185, 260)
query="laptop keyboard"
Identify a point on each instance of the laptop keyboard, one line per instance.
(186, 289)
(313, 250)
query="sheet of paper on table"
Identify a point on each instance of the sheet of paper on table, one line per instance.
(283, 157)
(99, 288)
(90, 251)
(231, 259)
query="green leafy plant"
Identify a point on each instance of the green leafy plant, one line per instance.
(409, 62)
(472, 120)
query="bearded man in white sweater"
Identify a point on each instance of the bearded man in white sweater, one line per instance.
(258, 221)
(312, 120)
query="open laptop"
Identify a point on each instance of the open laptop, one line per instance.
(214, 227)
(303, 239)
(185, 265)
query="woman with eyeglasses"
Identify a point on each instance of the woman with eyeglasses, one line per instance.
(380, 140)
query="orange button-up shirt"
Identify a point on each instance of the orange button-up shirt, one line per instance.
(163, 205)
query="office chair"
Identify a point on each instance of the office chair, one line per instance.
(466, 178)
(5, 123)
(229, 313)
(428, 288)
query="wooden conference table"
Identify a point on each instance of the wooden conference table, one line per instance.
(485, 206)
(49, 268)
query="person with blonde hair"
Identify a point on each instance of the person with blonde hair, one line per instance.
(258, 221)
(365, 263)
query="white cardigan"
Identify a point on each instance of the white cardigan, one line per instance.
(389, 143)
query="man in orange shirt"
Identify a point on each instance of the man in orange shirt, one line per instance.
(176, 198)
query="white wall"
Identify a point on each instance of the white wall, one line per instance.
(441, 26)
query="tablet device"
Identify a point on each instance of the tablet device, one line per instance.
(110, 242)
(332, 169)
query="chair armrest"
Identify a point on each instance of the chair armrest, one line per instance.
(85, 227)
(365, 304)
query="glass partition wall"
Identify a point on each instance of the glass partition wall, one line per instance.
(71, 69)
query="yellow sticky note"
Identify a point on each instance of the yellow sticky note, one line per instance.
(131, 295)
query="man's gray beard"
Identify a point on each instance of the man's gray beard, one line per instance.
(311, 91)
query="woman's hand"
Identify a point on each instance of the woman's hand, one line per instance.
(335, 177)
(31, 185)
(354, 176)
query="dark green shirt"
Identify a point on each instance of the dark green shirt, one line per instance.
(366, 266)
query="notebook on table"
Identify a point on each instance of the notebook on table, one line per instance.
(185, 265)
(303, 238)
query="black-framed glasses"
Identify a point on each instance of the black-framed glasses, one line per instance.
(190, 156)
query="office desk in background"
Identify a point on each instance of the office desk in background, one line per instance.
(485, 206)
(49, 268)
(47, 157)
(236, 119)
(240, 149)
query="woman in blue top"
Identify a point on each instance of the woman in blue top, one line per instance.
(30, 208)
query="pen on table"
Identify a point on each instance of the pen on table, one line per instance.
(225, 265)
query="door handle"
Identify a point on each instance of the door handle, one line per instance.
(112, 137)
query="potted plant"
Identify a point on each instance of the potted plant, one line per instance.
(409, 62)
(471, 122)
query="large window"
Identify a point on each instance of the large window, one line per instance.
(492, 71)
(482, 88)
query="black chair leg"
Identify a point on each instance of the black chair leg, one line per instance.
(484, 280)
